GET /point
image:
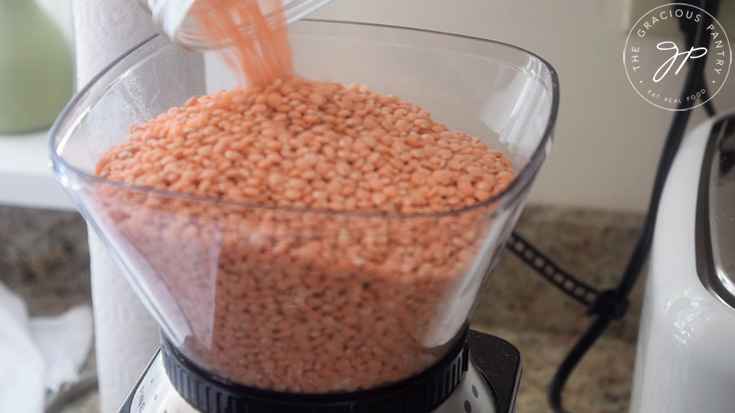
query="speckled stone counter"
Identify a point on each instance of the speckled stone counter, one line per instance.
(544, 323)
(44, 257)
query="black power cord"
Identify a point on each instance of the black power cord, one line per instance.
(611, 304)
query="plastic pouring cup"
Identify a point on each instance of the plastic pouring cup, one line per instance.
(173, 19)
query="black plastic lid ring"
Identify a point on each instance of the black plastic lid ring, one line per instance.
(421, 393)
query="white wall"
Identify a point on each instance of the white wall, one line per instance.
(60, 12)
(608, 138)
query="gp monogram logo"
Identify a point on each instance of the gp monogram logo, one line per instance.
(655, 63)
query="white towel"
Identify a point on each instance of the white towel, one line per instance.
(38, 354)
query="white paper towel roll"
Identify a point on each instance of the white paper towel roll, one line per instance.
(126, 336)
(103, 30)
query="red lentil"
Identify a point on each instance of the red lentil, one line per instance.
(315, 253)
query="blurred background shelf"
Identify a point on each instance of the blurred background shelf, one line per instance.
(26, 177)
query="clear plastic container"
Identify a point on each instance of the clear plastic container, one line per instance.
(174, 19)
(313, 301)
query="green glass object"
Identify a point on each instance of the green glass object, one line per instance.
(36, 67)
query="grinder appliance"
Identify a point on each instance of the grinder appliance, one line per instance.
(248, 324)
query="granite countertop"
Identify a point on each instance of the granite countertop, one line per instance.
(44, 257)
(544, 323)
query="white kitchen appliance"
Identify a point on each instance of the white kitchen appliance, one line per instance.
(686, 349)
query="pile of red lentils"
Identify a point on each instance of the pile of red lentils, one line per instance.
(326, 231)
